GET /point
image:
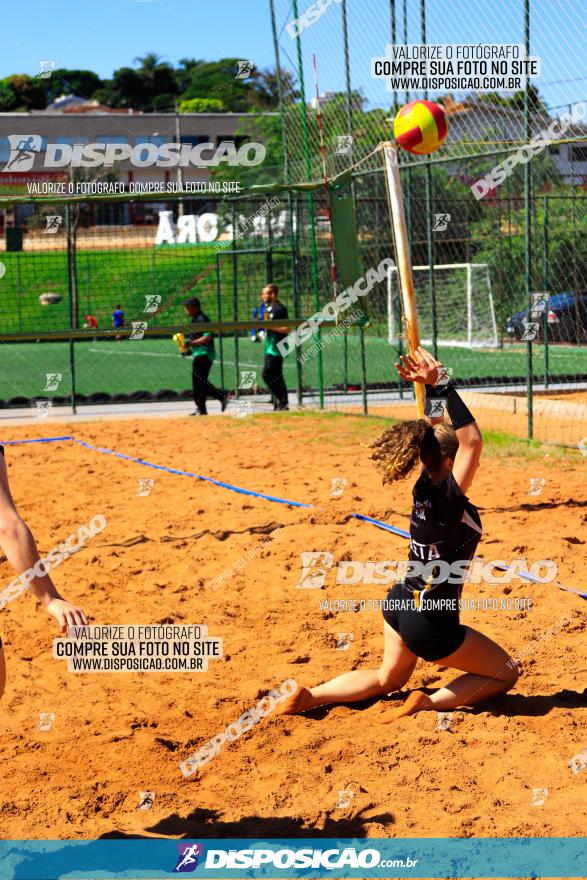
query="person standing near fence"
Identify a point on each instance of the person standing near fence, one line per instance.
(201, 346)
(273, 367)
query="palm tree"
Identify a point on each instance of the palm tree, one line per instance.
(159, 79)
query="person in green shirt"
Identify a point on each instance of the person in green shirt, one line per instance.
(201, 347)
(273, 366)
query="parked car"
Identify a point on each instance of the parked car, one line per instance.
(566, 318)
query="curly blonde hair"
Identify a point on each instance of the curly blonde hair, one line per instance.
(399, 448)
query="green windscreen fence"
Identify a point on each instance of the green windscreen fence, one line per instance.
(344, 232)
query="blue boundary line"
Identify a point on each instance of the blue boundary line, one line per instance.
(159, 467)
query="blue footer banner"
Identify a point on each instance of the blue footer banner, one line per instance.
(289, 858)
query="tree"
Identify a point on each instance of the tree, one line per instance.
(516, 100)
(8, 99)
(29, 92)
(201, 105)
(536, 103)
(264, 88)
(158, 77)
(183, 72)
(72, 82)
(150, 87)
(265, 130)
(125, 89)
(218, 79)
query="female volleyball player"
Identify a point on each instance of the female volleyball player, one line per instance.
(421, 616)
(21, 552)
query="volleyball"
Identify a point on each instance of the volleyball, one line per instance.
(420, 127)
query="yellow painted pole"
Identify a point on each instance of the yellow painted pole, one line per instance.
(404, 263)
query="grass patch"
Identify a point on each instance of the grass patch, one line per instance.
(360, 428)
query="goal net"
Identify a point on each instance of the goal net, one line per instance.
(465, 313)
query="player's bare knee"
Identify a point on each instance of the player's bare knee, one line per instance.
(390, 680)
(510, 674)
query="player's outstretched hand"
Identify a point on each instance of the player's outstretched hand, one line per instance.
(419, 367)
(66, 614)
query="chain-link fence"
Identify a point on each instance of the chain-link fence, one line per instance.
(496, 232)
(493, 223)
(472, 306)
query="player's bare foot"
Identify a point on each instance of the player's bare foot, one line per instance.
(416, 702)
(301, 701)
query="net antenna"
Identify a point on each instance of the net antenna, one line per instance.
(326, 184)
(404, 261)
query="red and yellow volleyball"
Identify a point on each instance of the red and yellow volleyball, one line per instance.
(420, 127)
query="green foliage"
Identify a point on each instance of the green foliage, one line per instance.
(155, 85)
(126, 89)
(184, 71)
(567, 247)
(21, 92)
(71, 82)
(219, 80)
(267, 131)
(152, 86)
(201, 105)
(516, 100)
(7, 97)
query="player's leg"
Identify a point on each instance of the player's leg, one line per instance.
(489, 671)
(268, 376)
(280, 386)
(396, 668)
(209, 389)
(198, 387)
(273, 379)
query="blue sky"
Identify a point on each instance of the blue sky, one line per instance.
(108, 34)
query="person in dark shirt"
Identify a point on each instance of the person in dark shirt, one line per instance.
(18, 545)
(421, 613)
(201, 347)
(273, 366)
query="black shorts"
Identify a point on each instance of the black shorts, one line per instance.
(430, 635)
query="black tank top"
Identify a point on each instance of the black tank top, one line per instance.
(444, 526)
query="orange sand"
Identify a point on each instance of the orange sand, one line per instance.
(117, 734)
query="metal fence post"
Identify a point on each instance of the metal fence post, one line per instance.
(315, 284)
(528, 223)
(235, 304)
(363, 370)
(219, 310)
(296, 288)
(19, 292)
(430, 253)
(429, 230)
(545, 283)
(350, 132)
(72, 298)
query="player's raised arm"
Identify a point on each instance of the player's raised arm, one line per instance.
(423, 367)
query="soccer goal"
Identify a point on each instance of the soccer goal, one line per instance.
(465, 312)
